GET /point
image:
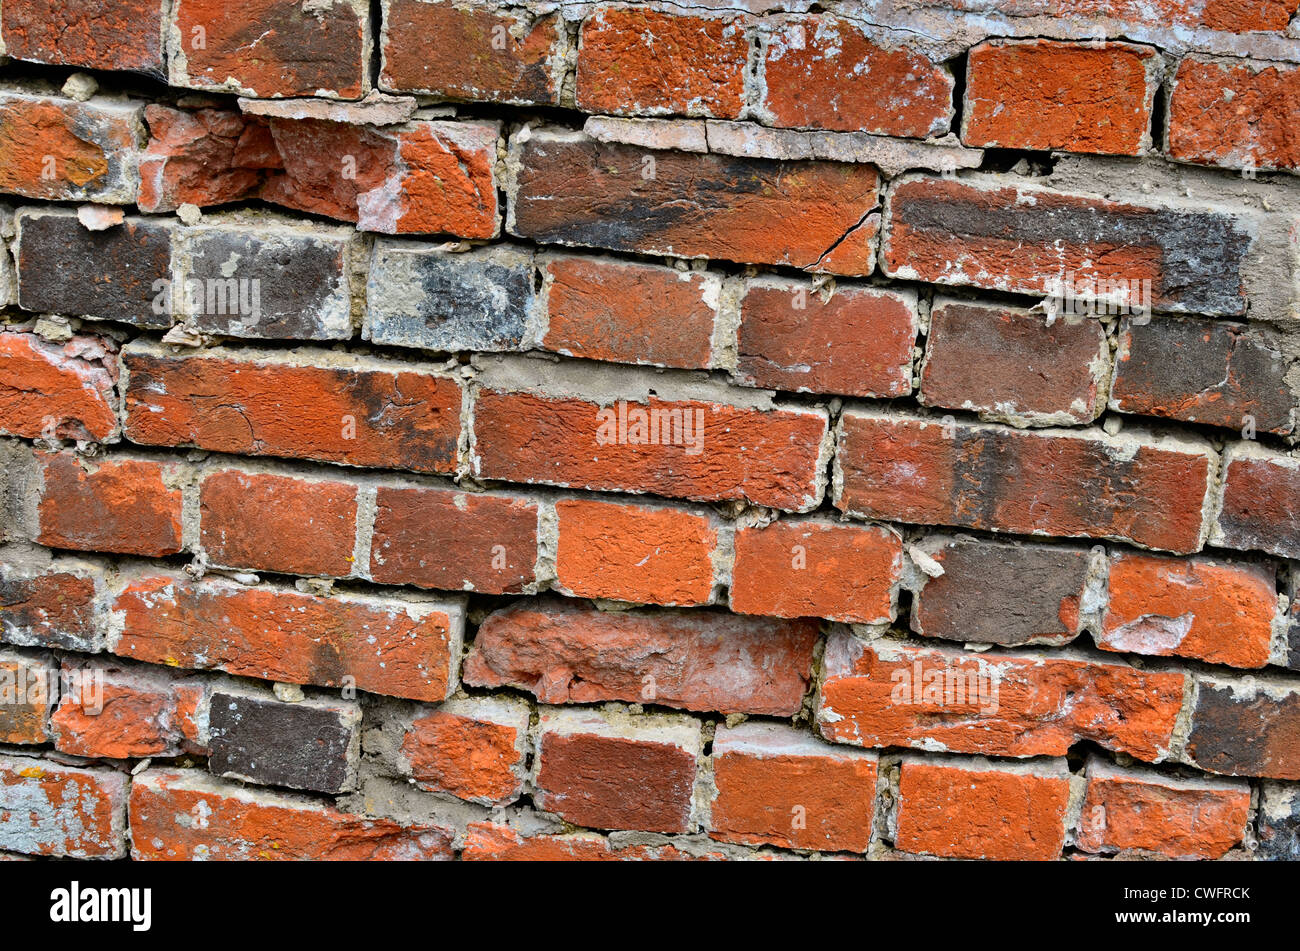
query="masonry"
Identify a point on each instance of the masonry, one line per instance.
(731, 429)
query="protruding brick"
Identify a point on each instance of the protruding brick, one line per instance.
(28, 689)
(311, 744)
(62, 390)
(120, 274)
(629, 312)
(111, 504)
(1142, 810)
(278, 523)
(682, 448)
(202, 157)
(418, 178)
(455, 541)
(1246, 728)
(1147, 490)
(473, 749)
(270, 48)
(49, 607)
(852, 341)
(805, 568)
(1008, 593)
(273, 282)
(1215, 611)
(615, 771)
(1260, 508)
(306, 404)
(1203, 371)
(400, 648)
(186, 815)
(90, 34)
(573, 190)
(1234, 113)
(634, 552)
(485, 51)
(420, 295)
(1011, 365)
(1044, 94)
(779, 786)
(1028, 239)
(973, 809)
(58, 149)
(563, 652)
(116, 711)
(639, 61)
(822, 72)
(50, 809)
(897, 694)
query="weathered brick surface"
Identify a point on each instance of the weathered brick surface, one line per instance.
(563, 653)
(1144, 490)
(573, 190)
(1041, 94)
(886, 694)
(243, 824)
(202, 157)
(61, 811)
(92, 34)
(114, 711)
(27, 692)
(472, 748)
(1235, 114)
(1259, 507)
(1244, 728)
(50, 607)
(58, 390)
(1203, 371)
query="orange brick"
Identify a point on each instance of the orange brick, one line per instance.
(62, 811)
(58, 390)
(472, 748)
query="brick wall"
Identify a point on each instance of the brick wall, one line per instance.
(461, 429)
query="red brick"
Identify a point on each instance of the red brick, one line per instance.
(58, 390)
(484, 52)
(397, 648)
(91, 34)
(1044, 94)
(1005, 592)
(186, 815)
(1245, 728)
(1028, 239)
(28, 688)
(49, 607)
(61, 811)
(1233, 16)
(895, 694)
(628, 312)
(1203, 371)
(633, 552)
(278, 523)
(120, 712)
(417, 178)
(614, 771)
(203, 157)
(1009, 364)
(779, 786)
(269, 48)
(821, 72)
(129, 506)
(566, 652)
(854, 341)
(472, 748)
(802, 568)
(975, 810)
(573, 190)
(306, 404)
(1260, 501)
(770, 457)
(1215, 611)
(491, 842)
(1127, 809)
(456, 541)
(1150, 491)
(1234, 114)
(646, 62)
(56, 149)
